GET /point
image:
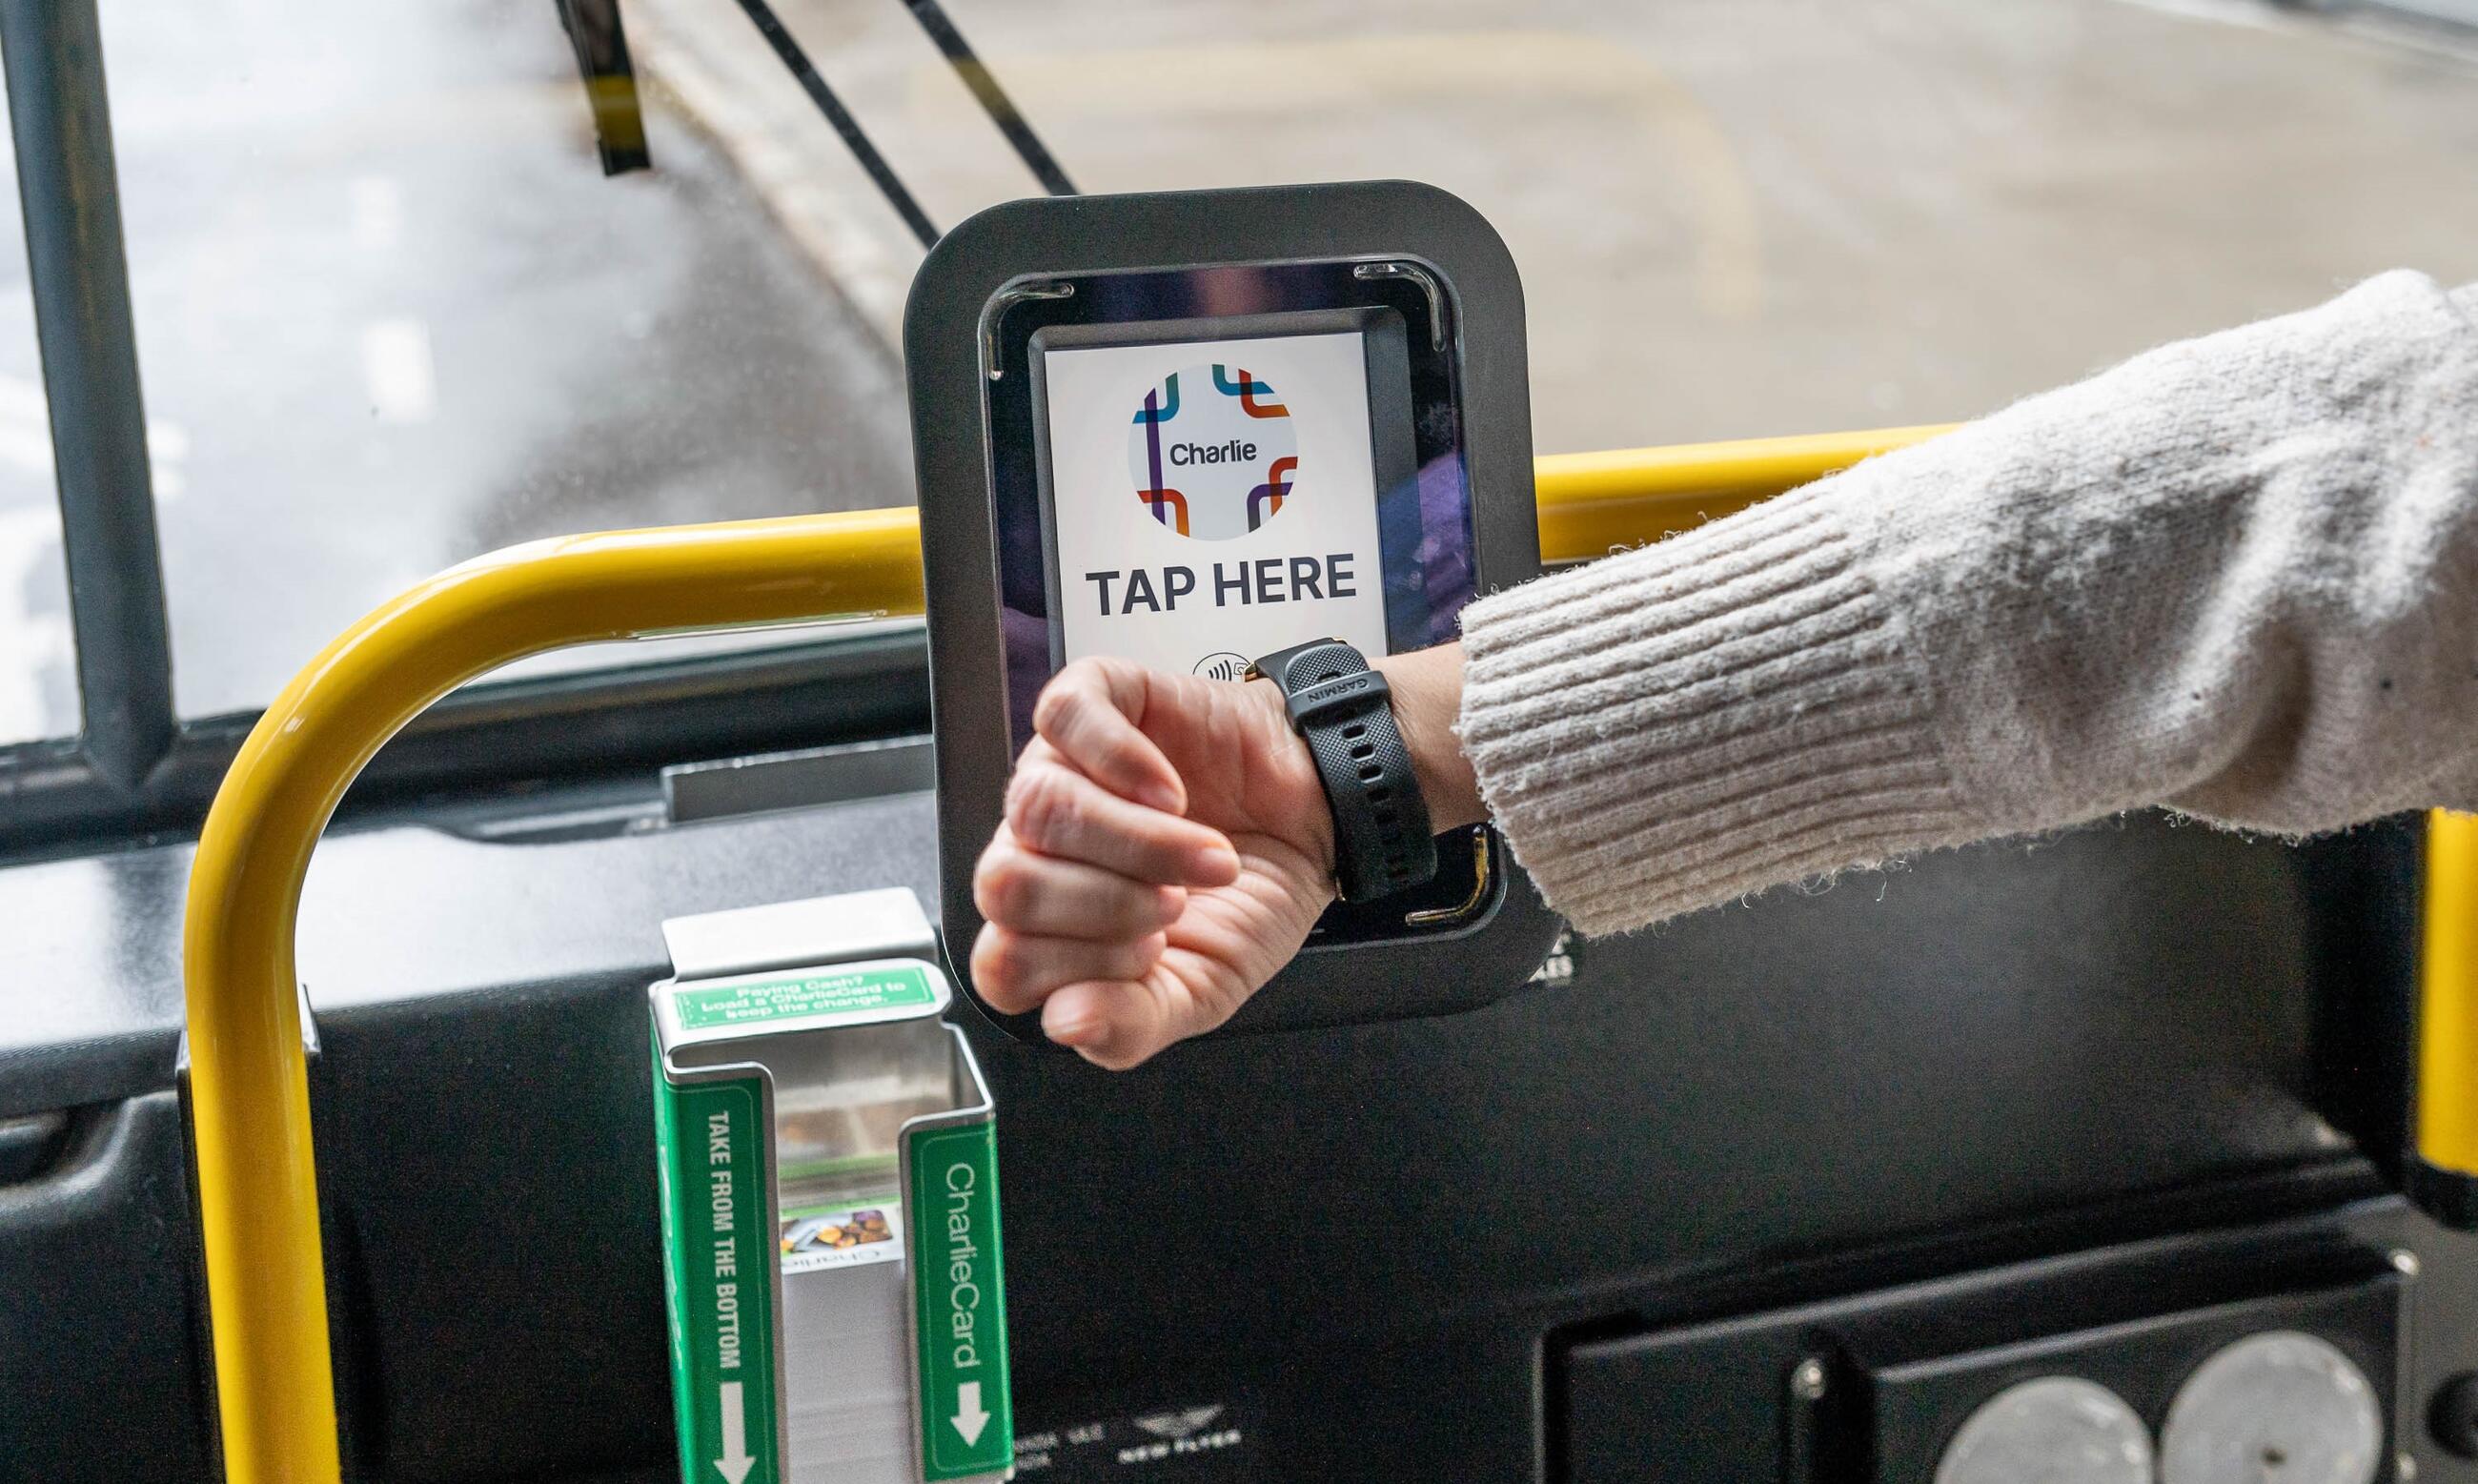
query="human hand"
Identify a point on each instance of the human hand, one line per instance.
(1166, 848)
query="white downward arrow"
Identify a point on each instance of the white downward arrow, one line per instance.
(735, 1461)
(968, 1418)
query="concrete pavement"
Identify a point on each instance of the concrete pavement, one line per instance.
(1733, 216)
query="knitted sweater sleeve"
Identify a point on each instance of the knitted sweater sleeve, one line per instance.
(2236, 575)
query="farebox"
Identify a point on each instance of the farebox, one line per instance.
(828, 1164)
(1191, 428)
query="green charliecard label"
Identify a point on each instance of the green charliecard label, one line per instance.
(719, 1278)
(832, 992)
(967, 1424)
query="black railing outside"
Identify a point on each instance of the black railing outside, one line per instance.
(62, 126)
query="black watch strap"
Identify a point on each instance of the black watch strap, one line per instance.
(1343, 710)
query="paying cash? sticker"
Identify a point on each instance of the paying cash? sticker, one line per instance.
(796, 996)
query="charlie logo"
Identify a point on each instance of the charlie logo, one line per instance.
(1212, 452)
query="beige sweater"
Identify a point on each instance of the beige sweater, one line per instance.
(2237, 576)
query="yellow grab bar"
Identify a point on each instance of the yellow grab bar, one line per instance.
(1593, 503)
(2447, 1040)
(258, 1193)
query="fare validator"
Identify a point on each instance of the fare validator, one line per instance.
(1194, 428)
(1189, 429)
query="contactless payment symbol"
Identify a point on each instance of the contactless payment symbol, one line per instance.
(1212, 452)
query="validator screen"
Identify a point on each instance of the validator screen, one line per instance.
(1212, 501)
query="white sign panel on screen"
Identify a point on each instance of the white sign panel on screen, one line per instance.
(1213, 501)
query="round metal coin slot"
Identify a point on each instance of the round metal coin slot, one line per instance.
(2275, 1408)
(2053, 1430)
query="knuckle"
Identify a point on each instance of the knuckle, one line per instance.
(1006, 961)
(1066, 696)
(1053, 706)
(1131, 960)
(985, 958)
(1001, 887)
(1132, 913)
(998, 969)
(1041, 808)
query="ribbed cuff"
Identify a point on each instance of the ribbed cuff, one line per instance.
(1722, 712)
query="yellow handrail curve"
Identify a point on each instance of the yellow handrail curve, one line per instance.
(1594, 503)
(257, 1182)
(258, 1195)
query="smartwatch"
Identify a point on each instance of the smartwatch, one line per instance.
(1343, 711)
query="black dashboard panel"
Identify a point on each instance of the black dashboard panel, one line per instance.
(102, 1363)
(1355, 1253)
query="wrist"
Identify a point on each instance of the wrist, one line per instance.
(1286, 752)
(1427, 689)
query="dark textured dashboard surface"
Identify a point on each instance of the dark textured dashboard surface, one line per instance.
(1362, 1245)
(91, 964)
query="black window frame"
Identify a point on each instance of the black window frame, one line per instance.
(135, 771)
